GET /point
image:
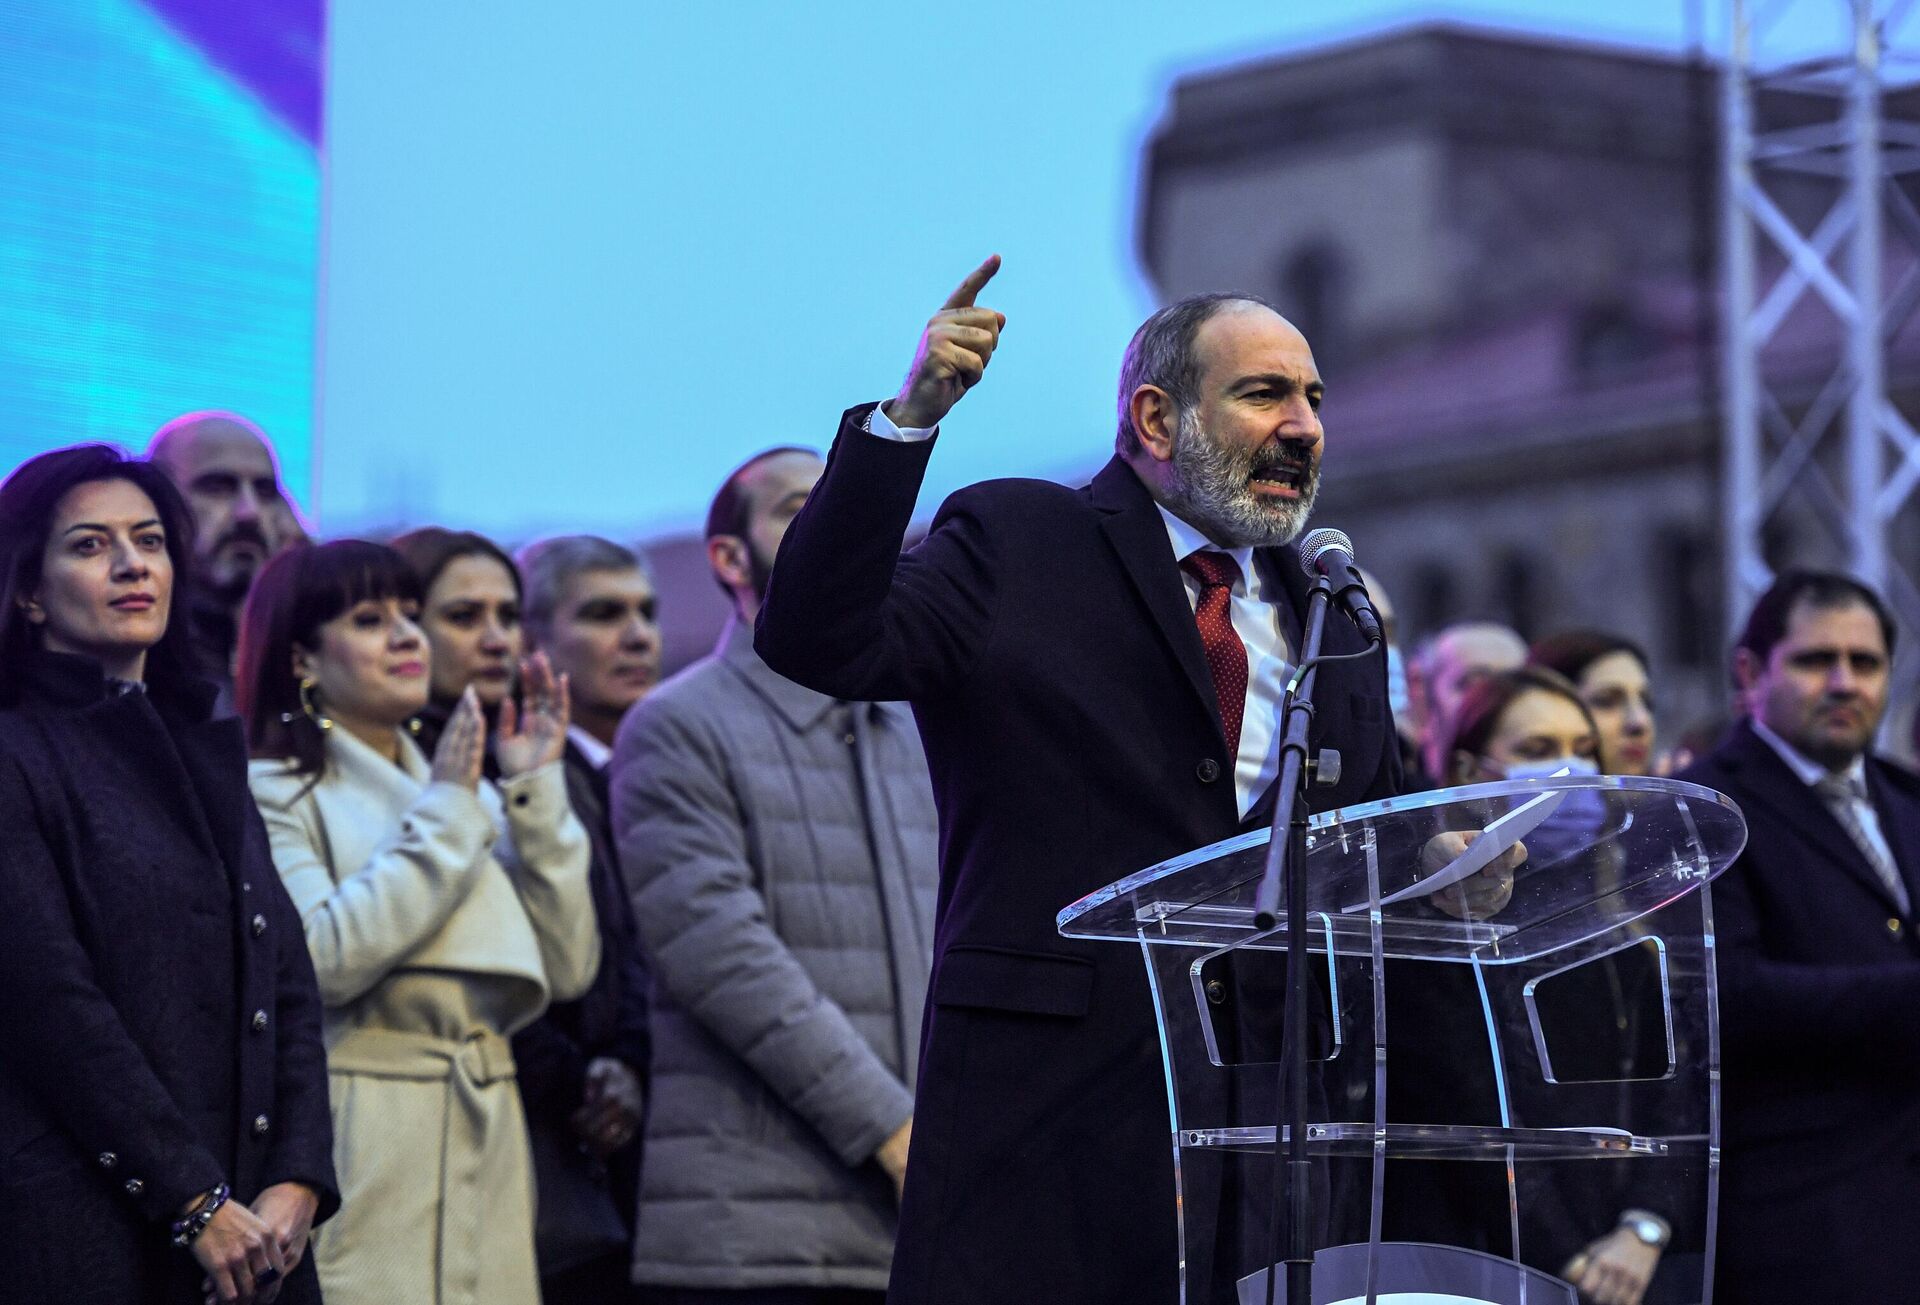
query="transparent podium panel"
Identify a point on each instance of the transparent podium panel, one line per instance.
(1511, 1067)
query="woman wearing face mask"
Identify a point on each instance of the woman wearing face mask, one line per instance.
(470, 605)
(163, 1102)
(1610, 674)
(1530, 724)
(1523, 724)
(1510, 725)
(443, 915)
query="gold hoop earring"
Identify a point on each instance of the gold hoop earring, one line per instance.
(308, 708)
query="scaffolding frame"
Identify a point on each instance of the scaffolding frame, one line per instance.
(1771, 453)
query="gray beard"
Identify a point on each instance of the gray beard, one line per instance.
(1209, 489)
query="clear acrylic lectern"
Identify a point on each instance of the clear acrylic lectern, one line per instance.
(1496, 1082)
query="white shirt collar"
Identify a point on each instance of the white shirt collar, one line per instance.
(1810, 771)
(1187, 540)
(597, 753)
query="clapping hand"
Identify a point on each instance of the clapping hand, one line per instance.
(535, 733)
(462, 749)
(954, 351)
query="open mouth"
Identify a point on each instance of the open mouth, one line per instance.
(1281, 475)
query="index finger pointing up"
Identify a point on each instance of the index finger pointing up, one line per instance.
(976, 281)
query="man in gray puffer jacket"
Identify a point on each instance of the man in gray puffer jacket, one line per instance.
(780, 848)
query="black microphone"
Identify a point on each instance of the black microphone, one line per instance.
(1329, 553)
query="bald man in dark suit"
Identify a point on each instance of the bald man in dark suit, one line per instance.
(1097, 677)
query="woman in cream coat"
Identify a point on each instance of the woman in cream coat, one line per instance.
(442, 915)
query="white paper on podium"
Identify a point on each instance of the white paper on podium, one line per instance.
(1480, 853)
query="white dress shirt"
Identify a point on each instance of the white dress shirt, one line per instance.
(1269, 661)
(1811, 772)
(597, 753)
(1255, 619)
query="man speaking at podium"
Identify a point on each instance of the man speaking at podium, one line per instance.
(1097, 675)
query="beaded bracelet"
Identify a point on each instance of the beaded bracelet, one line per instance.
(190, 1225)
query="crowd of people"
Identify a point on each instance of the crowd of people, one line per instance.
(378, 924)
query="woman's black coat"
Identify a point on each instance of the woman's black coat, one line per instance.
(162, 1025)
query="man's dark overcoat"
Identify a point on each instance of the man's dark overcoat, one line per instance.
(1047, 645)
(551, 1054)
(1819, 989)
(162, 1031)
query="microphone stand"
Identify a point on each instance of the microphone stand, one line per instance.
(1287, 864)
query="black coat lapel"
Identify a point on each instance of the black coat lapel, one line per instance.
(1336, 685)
(1281, 565)
(1776, 791)
(1138, 535)
(1896, 800)
(214, 755)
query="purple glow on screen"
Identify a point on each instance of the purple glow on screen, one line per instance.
(275, 48)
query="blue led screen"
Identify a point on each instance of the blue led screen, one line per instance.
(160, 190)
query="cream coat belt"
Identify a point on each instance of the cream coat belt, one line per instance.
(472, 1078)
(482, 1057)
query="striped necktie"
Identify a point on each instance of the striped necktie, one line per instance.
(1843, 793)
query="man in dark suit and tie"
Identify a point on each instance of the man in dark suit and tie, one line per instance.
(1819, 968)
(583, 1066)
(1097, 675)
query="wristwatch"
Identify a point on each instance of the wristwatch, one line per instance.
(1649, 1228)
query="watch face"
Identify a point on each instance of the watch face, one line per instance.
(1647, 1231)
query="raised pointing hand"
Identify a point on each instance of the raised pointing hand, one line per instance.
(954, 351)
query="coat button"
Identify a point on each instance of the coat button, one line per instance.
(108, 1159)
(259, 1021)
(259, 925)
(1207, 771)
(135, 1187)
(521, 799)
(1216, 991)
(1894, 926)
(246, 887)
(260, 1125)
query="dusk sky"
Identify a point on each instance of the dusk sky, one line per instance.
(585, 258)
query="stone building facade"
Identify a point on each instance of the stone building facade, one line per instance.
(1504, 250)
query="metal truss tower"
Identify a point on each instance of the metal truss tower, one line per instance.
(1817, 232)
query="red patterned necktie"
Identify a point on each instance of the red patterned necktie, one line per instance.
(1226, 655)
